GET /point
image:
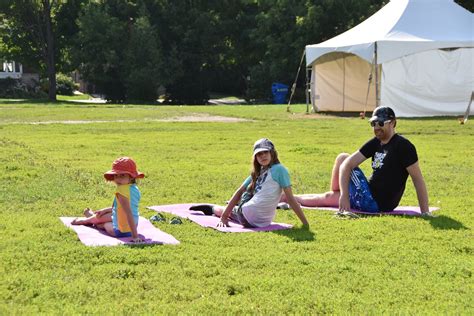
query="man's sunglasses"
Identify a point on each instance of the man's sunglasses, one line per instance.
(381, 123)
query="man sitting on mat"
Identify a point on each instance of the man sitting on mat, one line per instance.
(393, 159)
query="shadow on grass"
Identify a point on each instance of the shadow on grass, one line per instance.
(440, 222)
(297, 234)
(18, 101)
(48, 102)
(445, 222)
(141, 245)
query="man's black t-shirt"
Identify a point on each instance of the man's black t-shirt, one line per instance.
(389, 163)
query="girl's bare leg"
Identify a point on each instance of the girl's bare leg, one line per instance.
(88, 212)
(218, 210)
(94, 220)
(109, 228)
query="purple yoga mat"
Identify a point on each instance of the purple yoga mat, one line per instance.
(90, 236)
(401, 210)
(182, 210)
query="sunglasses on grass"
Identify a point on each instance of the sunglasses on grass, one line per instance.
(380, 123)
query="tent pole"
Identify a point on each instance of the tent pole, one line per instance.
(293, 87)
(306, 91)
(312, 100)
(369, 81)
(377, 98)
(343, 82)
(468, 110)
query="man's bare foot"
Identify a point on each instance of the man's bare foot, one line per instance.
(88, 212)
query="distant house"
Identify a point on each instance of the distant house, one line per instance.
(14, 70)
(11, 69)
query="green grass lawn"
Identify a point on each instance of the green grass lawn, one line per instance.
(373, 265)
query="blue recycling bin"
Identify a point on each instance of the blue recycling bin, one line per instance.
(279, 92)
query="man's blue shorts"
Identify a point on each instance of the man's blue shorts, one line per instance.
(359, 193)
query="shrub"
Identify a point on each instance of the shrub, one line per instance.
(15, 89)
(65, 85)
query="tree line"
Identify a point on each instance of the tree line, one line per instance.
(131, 49)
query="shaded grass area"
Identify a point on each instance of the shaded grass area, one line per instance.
(368, 266)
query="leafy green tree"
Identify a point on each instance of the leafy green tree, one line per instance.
(36, 33)
(190, 46)
(143, 62)
(100, 46)
(66, 30)
(27, 34)
(119, 51)
(285, 27)
(467, 4)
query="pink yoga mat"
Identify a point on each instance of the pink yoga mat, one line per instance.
(90, 236)
(182, 210)
(401, 210)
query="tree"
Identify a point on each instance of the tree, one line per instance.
(100, 45)
(467, 4)
(143, 61)
(119, 50)
(28, 35)
(285, 27)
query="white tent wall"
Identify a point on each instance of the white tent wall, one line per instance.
(413, 86)
(418, 77)
(339, 83)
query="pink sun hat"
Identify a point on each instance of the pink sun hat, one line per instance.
(123, 165)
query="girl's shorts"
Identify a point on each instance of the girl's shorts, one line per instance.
(238, 217)
(119, 234)
(359, 193)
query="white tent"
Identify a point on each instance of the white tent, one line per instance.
(424, 56)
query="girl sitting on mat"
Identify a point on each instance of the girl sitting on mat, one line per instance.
(121, 219)
(254, 203)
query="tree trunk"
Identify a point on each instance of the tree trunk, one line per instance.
(49, 58)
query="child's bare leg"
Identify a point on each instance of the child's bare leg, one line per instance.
(218, 210)
(88, 212)
(109, 228)
(94, 220)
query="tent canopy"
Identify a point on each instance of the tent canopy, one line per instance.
(424, 56)
(401, 28)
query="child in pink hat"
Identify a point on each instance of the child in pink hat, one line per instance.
(121, 219)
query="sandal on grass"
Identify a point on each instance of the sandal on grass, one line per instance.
(176, 221)
(346, 215)
(158, 218)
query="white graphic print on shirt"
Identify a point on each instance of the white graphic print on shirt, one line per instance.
(377, 163)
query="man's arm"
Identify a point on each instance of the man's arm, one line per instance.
(420, 186)
(350, 163)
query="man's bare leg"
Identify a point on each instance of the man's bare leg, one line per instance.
(329, 198)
